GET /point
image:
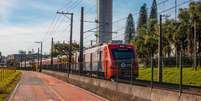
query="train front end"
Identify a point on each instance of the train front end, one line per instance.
(124, 61)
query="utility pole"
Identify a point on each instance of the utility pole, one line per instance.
(160, 57)
(21, 61)
(25, 59)
(71, 36)
(195, 47)
(38, 56)
(91, 56)
(52, 52)
(175, 10)
(41, 57)
(81, 40)
(91, 43)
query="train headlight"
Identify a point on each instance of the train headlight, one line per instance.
(123, 65)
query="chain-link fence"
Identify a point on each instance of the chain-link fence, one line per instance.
(126, 71)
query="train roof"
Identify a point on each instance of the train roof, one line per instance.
(96, 48)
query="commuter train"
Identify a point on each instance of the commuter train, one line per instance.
(111, 61)
(28, 65)
(107, 60)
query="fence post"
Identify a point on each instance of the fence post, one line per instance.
(181, 72)
(0, 74)
(152, 71)
(131, 73)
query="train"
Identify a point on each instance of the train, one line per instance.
(109, 60)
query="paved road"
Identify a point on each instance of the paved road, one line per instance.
(41, 87)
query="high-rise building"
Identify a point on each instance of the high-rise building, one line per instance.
(104, 24)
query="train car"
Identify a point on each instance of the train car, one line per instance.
(28, 65)
(111, 61)
(59, 64)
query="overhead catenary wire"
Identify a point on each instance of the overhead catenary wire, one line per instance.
(50, 26)
(173, 7)
(67, 4)
(54, 29)
(163, 11)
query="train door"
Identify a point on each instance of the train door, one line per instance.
(100, 67)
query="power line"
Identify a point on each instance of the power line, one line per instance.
(50, 26)
(76, 3)
(79, 3)
(54, 27)
(91, 30)
(160, 12)
(69, 2)
(185, 2)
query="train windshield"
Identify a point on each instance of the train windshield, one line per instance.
(123, 53)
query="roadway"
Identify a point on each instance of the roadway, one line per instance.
(35, 86)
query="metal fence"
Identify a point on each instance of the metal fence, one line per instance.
(180, 78)
(187, 61)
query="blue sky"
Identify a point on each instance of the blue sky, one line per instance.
(22, 22)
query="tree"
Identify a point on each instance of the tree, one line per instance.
(141, 48)
(22, 52)
(152, 40)
(142, 21)
(12, 63)
(153, 19)
(146, 45)
(184, 28)
(168, 40)
(146, 40)
(62, 49)
(178, 34)
(195, 14)
(153, 13)
(130, 29)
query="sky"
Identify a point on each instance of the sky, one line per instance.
(23, 22)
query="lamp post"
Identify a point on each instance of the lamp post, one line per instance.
(41, 56)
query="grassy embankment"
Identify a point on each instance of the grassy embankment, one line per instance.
(171, 75)
(8, 81)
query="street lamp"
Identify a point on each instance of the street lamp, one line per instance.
(41, 56)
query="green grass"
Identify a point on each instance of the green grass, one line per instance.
(171, 75)
(8, 83)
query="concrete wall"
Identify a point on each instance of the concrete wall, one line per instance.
(118, 91)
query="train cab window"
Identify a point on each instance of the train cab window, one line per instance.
(122, 53)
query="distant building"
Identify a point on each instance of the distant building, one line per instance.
(104, 21)
(16, 57)
(21, 57)
(2, 60)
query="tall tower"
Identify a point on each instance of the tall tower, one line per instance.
(104, 17)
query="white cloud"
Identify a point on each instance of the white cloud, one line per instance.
(14, 38)
(6, 6)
